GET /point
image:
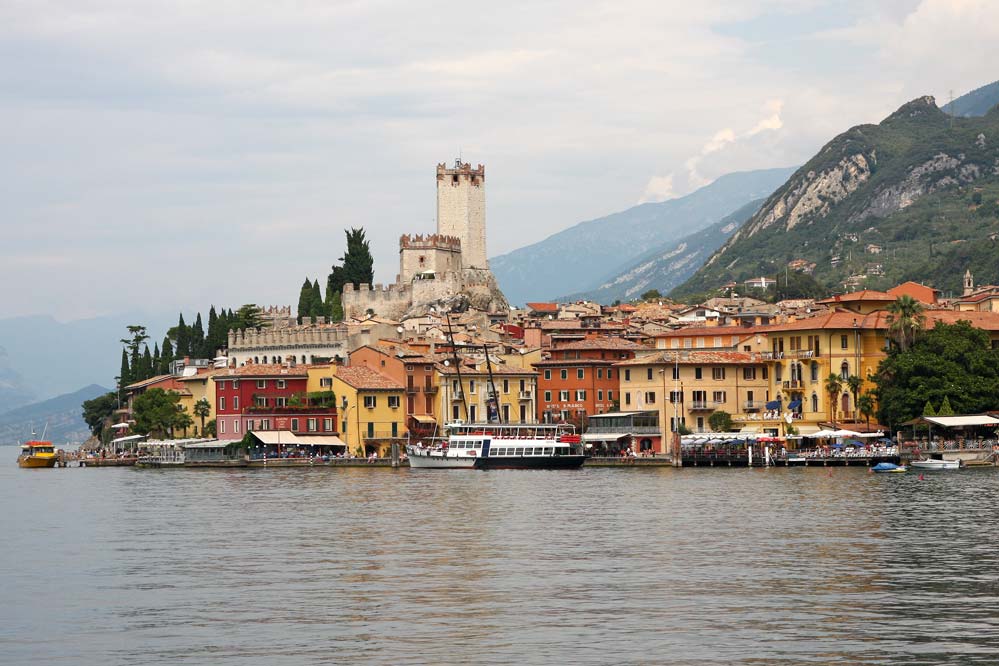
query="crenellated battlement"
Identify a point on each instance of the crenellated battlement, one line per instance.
(460, 169)
(429, 242)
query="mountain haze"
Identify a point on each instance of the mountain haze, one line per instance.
(915, 197)
(590, 253)
(59, 418)
(976, 103)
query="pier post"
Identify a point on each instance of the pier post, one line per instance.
(395, 454)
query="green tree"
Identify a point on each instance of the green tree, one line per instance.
(865, 405)
(133, 345)
(97, 411)
(833, 386)
(202, 409)
(953, 361)
(853, 382)
(305, 300)
(198, 338)
(158, 412)
(181, 335)
(357, 264)
(248, 317)
(651, 295)
(945, 408)
(928, 409)
(795, 284)
(125, 374)
(335, 308)
(166, 356)
(720, 421)
(905, 320)
(209, 429)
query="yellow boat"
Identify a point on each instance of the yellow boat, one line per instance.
(37, 454)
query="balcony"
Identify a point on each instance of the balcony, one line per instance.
(382, 434)
(702, 406)
(753, 405)
(412, 389)
(524, 395)
(458, 395)
(430, 390)
(794, 384)
(804, 353)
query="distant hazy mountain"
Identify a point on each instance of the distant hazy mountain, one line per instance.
(976, 103)
(669, 264)
(51, 358)
(588, 254)
(915, 197)
(14, 390)
(60, 418)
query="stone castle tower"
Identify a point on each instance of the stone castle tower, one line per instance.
(461, 210)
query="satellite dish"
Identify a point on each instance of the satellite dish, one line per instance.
(399, 329)
(446, 363)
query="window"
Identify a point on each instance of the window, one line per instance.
(221, 402)
(259, 401)
(580, 373)
(370, 401)
(844, 341)
(548, 374)
(749, 374)
(261, 383)
(610, 373)
(281, 402)
(311, 424)
(471, 386)
(718, 341)
(676, 396)
(698, 373)
(265, 424)
(815, 403)
(395, 429)
(627, 375)
(325, 382)
(235, 384)
(815, 372)
(393, 401)
(565, 374)
(282, 384)
(844, 370)
(600, 373)
(471, 413)
(371, 430)
(563, 396)
(222, 427)
(328, 425)
(718, 396)
(766, 372)
(610, 395)
(235, 425)
(778, 372)
(548, 396)
(455, 414)
(600, 394)
(650, 397)
(717, 373)
(648, 374)
(627, 398)
(580, 395)
(506, 386)
(235, 402)
(294, 425)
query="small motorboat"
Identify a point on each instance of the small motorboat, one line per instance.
(933, 465)
(37, 454)
(888, 468)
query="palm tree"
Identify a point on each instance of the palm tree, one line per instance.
(854, 383)
(202, 409)
(905, 318)
(834, 384)
(865, 405)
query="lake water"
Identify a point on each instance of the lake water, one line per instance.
(595, 566)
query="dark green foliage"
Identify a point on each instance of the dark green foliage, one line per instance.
(248, 317)
(125, 374)
(951, 361)
(133, 343)
(976, 103)
(159, 412)
(198, 339)
(181, 335)
(96, 412)
(357, 265)
(305, 300)
(720, 421)
(202, 409)
(166, 356)
(651, 295)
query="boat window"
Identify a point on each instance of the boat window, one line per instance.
(518, 452)
(548, 450)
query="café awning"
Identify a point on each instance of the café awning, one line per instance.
(423, 418)
(954, 421)
(604, 436)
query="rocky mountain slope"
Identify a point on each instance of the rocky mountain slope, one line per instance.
(60, 418)
(914, 197)
(670, 264)
(591, 253)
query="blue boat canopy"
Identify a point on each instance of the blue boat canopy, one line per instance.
(773, 404)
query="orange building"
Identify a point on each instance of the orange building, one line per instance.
(579, 378)
(410, 368)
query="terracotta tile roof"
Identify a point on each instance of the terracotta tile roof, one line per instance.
(567, 324)
(694, 357)
(863, 295)
(543, 307)
(605, 342)
(483, 372)
(263, 370)
(149, 382)
(708, 331)
(363, 377)
(207, 374)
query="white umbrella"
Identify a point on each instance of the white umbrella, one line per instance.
(844, 433)
(120, 425)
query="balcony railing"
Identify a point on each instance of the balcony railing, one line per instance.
(753, 405)
(430, 390)
(412, 389)
(524, 395)
(703, 405)
(458, 395)
(382, 434)
(804, 353)
(793, 384)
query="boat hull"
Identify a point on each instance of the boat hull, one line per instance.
(530, 462)
(934, 465)
(430, 460)
(33, 462)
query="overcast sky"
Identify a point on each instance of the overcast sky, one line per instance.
(163, 155)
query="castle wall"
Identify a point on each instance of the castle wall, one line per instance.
(434, 253)
(301, 344)
(390, 301)
(461, 210)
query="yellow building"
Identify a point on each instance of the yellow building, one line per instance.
(692, 385)
(371, 409)
(516, 389)
(198, 387)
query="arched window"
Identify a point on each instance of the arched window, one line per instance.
(303, 359)
(265, 359)
(256, 360)
(815, 400)
(844, 370)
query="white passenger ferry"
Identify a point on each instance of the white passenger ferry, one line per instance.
(501, 446)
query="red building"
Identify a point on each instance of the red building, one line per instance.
(261, 397)
(579, 378)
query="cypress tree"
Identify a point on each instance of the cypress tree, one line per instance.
(214, 336)
(358, 264)
(316, 301)
(166, 356)
(157, 360)
(198, 338)
(125, 374)
(146, 364)
(305, 300)
(182, 336)
(336, 308)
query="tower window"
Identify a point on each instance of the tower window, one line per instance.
(454, 179)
